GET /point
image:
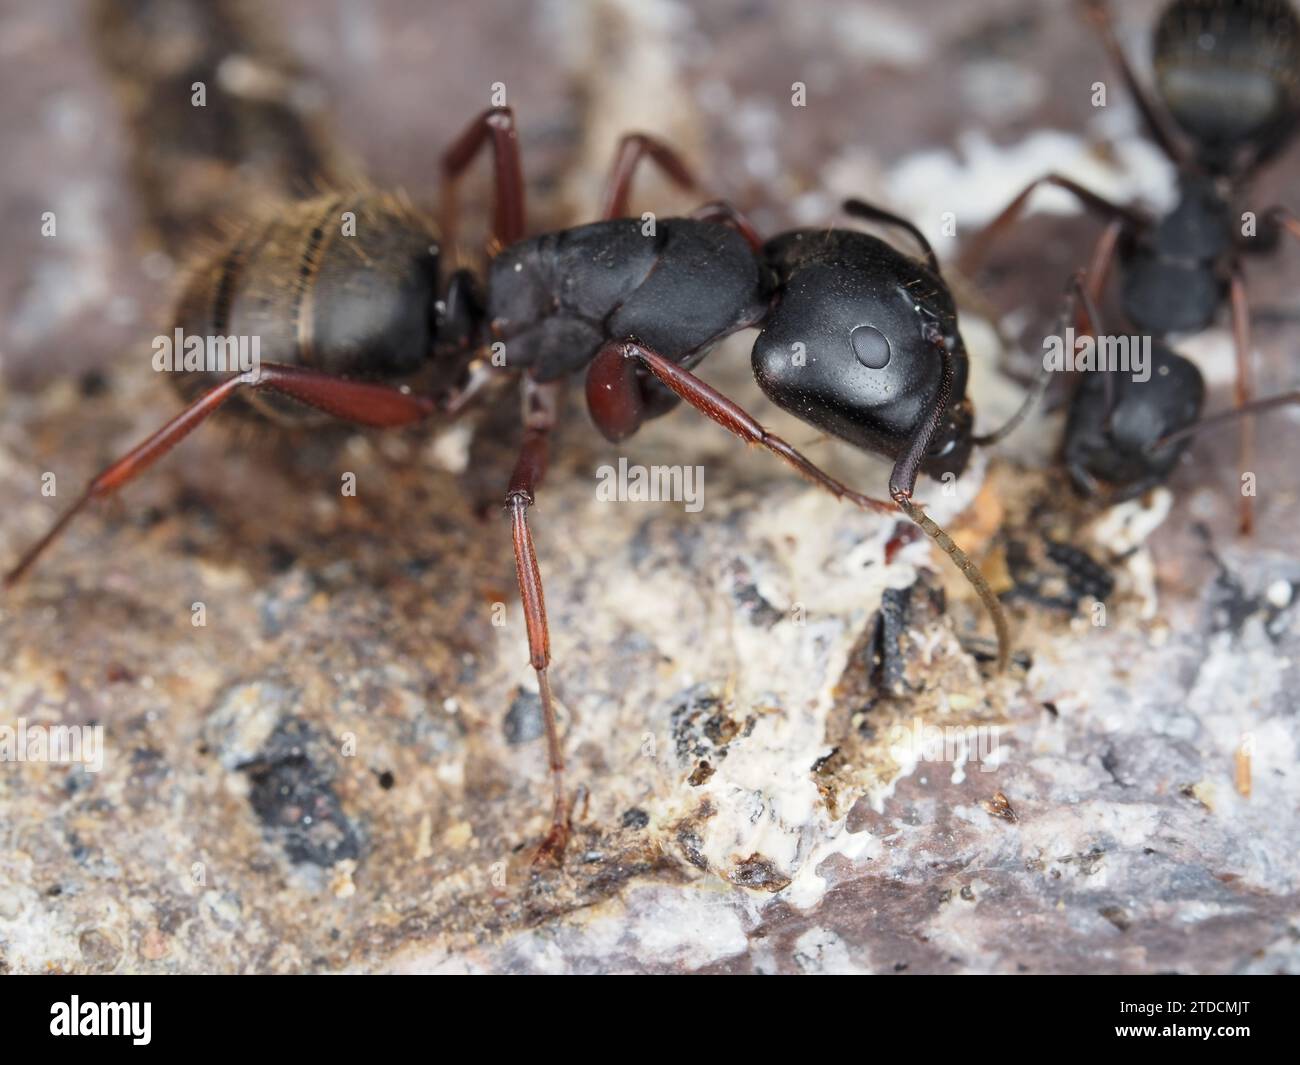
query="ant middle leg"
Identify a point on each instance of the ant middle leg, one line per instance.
(632, 149)
(728, 214)
(497, 127)
(541, 403)
(1244, 394)
(362, 403)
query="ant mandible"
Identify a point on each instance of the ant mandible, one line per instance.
(883, 367)
(1228, 77)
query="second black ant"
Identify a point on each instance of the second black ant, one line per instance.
(1228, 78)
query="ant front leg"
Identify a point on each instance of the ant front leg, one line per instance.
(497, 126)
(616, 404)
(632, 149)
(359, 402)
(541, 403)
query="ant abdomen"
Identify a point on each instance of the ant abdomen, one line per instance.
(1229, 72)
(346, 284)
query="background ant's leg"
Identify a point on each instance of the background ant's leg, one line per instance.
(1285, 217)
(1099, 14)
(497, 126)
(872, 213)
(968, 263)
(1245, 391)
(1081, 309)
(632, 148)
(731, 416)
(540, 406)
(902, 483)
(359, 402)
(729, 214)
(1103, 258)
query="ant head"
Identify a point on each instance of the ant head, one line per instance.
(855, 342)
(1228, 71)
(1114, 436)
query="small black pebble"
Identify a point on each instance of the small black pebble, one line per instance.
(635, 818)
(523, 722)
(93, 383)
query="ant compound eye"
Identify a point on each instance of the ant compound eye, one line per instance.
(871, 346)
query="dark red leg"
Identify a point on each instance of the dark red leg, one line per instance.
(1245, 391)
(1103, 258)
(632, 149)
(355, 401)
(710, 402)
(497, 127)
(1098, 12)
(540, 408)
(729, 215)
(714, 405)
(968, 263)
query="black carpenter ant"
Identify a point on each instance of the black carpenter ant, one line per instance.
(343, 318)
(1228, 76)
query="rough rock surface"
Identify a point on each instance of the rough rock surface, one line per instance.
(341, 768)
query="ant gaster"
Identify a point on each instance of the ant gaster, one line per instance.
(1227, 77)
(883, 364)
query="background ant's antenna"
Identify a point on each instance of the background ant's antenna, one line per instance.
(1075, 292)
(1031, 400)
(1256, 407)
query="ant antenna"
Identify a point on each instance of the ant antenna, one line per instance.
(935, 532)
(870, 213)
(1256, 407)
(1076, 292)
